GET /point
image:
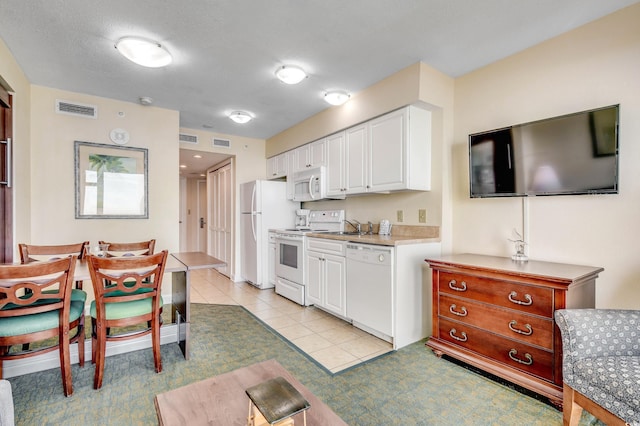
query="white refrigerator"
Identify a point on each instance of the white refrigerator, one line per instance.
(263, 206)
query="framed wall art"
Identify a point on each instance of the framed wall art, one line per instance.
(111, 182)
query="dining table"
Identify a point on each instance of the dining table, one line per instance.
(180, 265)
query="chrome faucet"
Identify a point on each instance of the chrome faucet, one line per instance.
(370, 231)
(357, 226)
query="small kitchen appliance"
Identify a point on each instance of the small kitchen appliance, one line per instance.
(302, 219)
(385, 227)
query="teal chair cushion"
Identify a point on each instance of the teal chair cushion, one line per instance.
(125, 309)
(15, 326)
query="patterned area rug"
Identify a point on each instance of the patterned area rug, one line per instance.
(410, 386)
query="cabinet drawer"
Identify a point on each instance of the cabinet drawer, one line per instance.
(514, 354)
(506, 322)
(325, 245)
(525, 298)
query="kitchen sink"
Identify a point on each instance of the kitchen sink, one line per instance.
(342, 233)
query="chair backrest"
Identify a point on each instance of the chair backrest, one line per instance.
(121, 279)
(31, 252)
(36, 287)
(142, 248)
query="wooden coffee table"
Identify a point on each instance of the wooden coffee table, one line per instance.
(222, 400)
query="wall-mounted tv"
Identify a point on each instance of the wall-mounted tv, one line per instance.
(571, 154)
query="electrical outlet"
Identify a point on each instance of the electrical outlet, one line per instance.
(400, 214)
(422, 215)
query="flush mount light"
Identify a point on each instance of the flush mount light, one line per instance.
(147, 53)
(337, 97)
(290, 74)
(240, 117)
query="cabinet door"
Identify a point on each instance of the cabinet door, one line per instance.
(272, 167)
(277, 166)
(314, 281)
(335, 165)
(300, 158)
(356, 159)
(335, 289)
(318, 153)
(387, 152)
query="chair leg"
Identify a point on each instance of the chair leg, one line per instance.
(65, 360)
(94, 341)
(81, 338)
(100, 355)
(155, 337)
(571, 411)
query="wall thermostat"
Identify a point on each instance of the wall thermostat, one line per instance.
(119, 136)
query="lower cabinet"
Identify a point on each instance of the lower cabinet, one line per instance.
(326, 280)
(497, 315)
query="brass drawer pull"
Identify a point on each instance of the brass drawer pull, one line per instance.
(462, 313)
(453, 286)
(528, 300)
(513, 353)
(512, 325)
(464, 338)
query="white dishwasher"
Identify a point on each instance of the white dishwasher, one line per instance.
(369, 288)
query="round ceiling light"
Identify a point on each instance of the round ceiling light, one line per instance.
(240, 117)
(147, 53)
(337, 97)
(290, 74)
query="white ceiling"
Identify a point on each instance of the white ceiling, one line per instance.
(226, 51)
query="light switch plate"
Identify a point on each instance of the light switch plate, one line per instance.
(422, 215)
(400, 214)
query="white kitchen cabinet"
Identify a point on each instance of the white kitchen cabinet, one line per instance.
(399, 156)
(310, 155)
(326, 269)
(356, 152)
(278, 166)
(336, 178)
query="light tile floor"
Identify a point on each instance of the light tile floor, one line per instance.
(332, 342)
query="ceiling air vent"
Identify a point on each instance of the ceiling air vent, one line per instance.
(188, 138)
(74, 108)
(221, 143)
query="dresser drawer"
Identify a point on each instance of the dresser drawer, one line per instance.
(514, 354)
(525, 298)
(513, 324)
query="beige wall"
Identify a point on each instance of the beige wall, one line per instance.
(595, 65)
(17, 83)
(52, 164)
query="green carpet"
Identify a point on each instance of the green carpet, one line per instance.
(408, 387)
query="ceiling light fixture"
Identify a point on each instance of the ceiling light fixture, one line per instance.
(147, 53)
(240, 117)
(337, 97)
(290, 74)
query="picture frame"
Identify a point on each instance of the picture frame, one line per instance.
(111, 182)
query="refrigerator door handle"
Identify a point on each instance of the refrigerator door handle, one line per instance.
(253, 213)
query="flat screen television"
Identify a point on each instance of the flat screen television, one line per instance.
(571, 154)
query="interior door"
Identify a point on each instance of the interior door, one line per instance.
(6, 192)
(221, 215)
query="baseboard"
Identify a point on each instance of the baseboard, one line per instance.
(49, 360)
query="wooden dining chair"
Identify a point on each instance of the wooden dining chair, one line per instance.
(36, 305)
(32, 252)
(127, 292)
(141, 248)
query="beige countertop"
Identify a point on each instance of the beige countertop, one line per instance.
(400, 234)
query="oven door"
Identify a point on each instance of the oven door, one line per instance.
(289, 258)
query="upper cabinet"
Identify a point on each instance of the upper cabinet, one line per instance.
(389, 153)
(399, 155)
(313, 154)
(278, 166)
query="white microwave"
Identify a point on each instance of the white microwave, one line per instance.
(309, 184)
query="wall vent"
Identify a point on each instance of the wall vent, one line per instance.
(76, 109)
(221, 143)
(188, 138)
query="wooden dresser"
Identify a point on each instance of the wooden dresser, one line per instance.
(497, 314)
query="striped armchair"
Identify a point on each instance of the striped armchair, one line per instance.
(601, 364)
